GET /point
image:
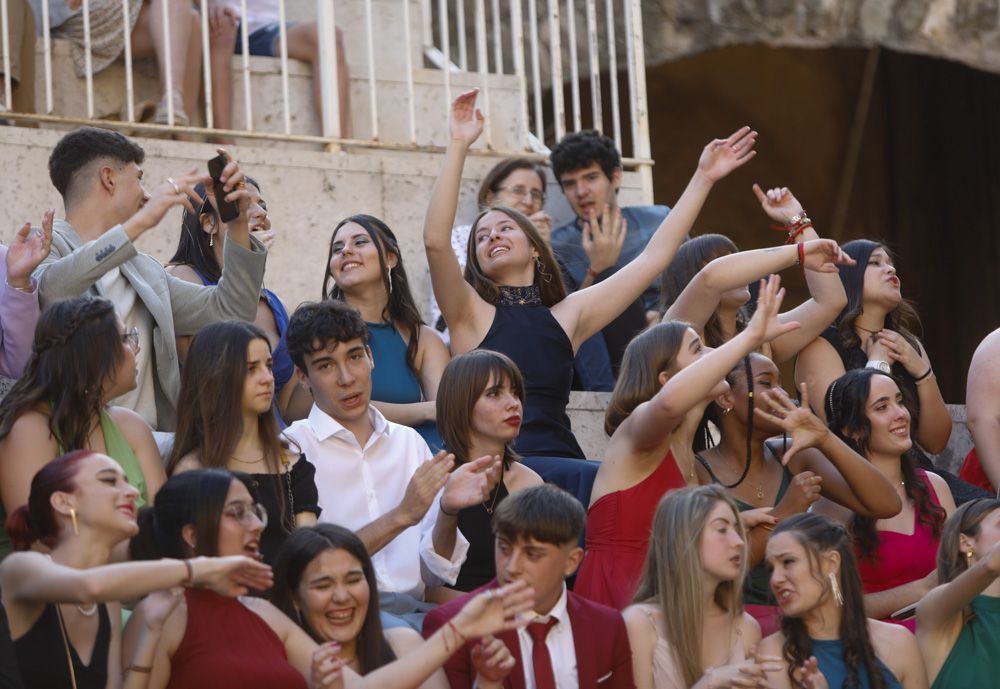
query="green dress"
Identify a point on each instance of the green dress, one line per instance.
(120, 451)
(972, 663)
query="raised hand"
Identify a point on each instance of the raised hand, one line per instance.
(234, 184)
(429, 478)
(765, 326)
(231, 576)
(603, 240)
(494, 610)
(470, 483)
(810, 676)
(543, 223)
(492, 661)
(779, 203)
(898, 348)
(175, 191)
(760, 516)
(327, 668)
(805, 427)
(722, 156)
(465, 123)
(27, 251)
(824, 255)
(802, 492)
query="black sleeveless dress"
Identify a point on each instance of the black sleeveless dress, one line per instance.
(41, 654)
(476, 524)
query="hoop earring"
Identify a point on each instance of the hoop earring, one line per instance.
(72, 518)
(540, 267)
(838, 596)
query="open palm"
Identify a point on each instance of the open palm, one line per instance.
(28, 250)
(465, 123)
(722, 156)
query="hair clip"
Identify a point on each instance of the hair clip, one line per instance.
(829, 399)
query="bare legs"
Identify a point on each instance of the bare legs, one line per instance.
(185, 51)
(303, 44)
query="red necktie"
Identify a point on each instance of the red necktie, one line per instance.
(541, 661)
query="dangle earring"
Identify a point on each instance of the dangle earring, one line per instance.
(72, 518)
(968, 559)
(838, 597)
(389, 275)
(540, 267)
(211, 239)
(726, 410)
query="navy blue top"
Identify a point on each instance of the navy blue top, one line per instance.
(393, 380)
(530, 335)
(830, 659)
(641, 224)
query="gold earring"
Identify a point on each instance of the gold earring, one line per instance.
(727, 410)
(968, 559)
(72, 518)
(838, 597)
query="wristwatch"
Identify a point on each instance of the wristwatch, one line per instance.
(879, 365)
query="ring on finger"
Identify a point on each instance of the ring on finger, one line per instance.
(177, 189)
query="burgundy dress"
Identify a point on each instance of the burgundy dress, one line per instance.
(228, 646)
(618, 528)
(901, 558)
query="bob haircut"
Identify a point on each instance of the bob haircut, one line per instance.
(548, 275)
(462, 384)
(297, 552)
(647, 355)
(673, 576)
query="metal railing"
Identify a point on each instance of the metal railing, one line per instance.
(493, 45)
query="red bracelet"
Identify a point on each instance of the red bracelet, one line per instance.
(797, 231)
(592, 273)
(802, 254)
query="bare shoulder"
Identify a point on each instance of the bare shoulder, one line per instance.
(32, 422)
(128, 421)
(891, 639)
(267, 611)
(940, 486)
(771, 645)
(184, 272)
(188, 462)
(750, 630)
(520, 476)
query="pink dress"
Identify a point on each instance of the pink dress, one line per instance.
(618, 527)
(901, 558)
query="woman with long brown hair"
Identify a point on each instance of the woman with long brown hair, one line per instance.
(226, 421)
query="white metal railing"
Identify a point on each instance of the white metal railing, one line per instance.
(493, 43)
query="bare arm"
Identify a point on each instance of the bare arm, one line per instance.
(586, 311)
(26, 449)
(432, 357)
(982, 402)
(818, 365)
(404, 641)
(642, 640)
(882, 604)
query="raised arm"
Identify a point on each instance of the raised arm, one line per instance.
(457, 299)
(648, 423)
(19, 295)
(982, 402)
(825, 289)
(586, 311)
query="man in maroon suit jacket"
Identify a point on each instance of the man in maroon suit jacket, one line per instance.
(537, 530)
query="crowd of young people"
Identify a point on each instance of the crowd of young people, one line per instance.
(174, 434)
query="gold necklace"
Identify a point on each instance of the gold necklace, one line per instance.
(496, 495)
(247, 461)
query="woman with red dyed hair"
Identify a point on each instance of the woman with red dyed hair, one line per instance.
(65, 621)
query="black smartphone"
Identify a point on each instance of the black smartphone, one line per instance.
(228, 210)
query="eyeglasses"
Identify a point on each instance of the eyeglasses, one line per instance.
(245, 513)
(131, 337)
(521, 191)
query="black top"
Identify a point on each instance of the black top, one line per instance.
(284, 496)
(476, 525)
(9, 676)
(41, 654)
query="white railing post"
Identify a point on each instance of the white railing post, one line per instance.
(206, 60)
(283, 55)
(616, 122)
(497, 38)
(47, 54)
(637, 89)
(463, 53)
(574, 69)
(483, 67)
(536, 78)
(8, 90)
(555, 55)
(595, 68)
(408, 40)
(329, 81)
(446, 51)
(88, 62)
(167, 60)
(517, 50)
(372, 94)
(245, 44)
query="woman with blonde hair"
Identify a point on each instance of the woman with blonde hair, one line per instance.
(687, 627)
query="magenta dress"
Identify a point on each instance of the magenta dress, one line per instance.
(618, 528)
(901, 558)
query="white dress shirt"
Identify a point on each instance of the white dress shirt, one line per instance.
(562, 649)
(357, 485)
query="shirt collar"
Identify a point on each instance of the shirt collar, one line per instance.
(325, 426)
(558, 610)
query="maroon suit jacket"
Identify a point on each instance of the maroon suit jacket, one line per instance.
(603, 656)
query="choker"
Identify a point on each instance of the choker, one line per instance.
(518, 296)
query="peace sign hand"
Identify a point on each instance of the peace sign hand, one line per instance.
(805, 427)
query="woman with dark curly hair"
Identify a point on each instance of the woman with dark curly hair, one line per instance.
(867, 409)
(82, 359)
(365, 269)
(825, 638)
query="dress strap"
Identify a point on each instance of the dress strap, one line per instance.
(707, 467)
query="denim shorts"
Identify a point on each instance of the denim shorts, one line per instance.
(262, 42)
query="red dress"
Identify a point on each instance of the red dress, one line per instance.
(228, 646)
(901, 558)
(618, 527)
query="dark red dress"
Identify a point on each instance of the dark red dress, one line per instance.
(228, 646)
(618, 528)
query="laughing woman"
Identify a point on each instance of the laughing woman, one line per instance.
(225, 421)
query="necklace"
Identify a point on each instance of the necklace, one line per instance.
(496, 494)
(871, 332)
(247, 461)
(760, 490)
(87, 612)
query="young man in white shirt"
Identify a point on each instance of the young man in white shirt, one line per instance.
(374, 476)
(568, 642)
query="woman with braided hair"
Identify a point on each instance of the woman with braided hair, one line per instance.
(81, 359)
(896, 557)
(825, 639)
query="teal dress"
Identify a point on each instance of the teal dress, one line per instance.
(392, 379)
(830, 660)
(972, 662)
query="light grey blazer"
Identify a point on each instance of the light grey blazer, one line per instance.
(177, 307)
